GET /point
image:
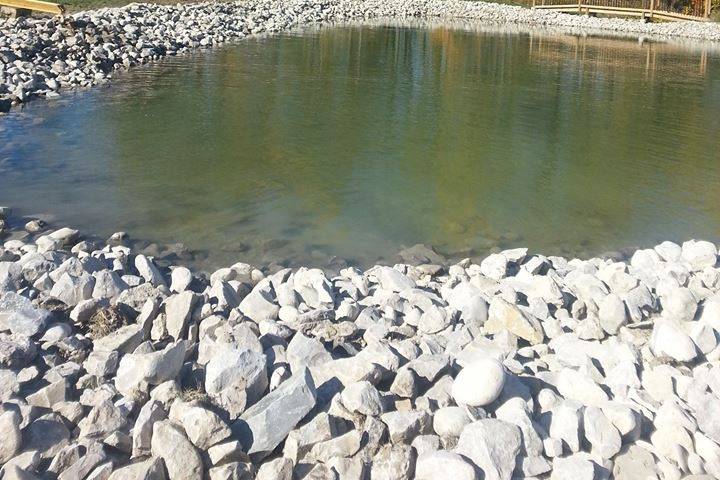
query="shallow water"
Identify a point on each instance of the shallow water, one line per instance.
(355, 141)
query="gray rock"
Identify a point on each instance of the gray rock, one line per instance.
(343, 446)
(300, 441)
(20, 316)
(56, 333)
(574, 467)
(634, 462)
(601, 433)
(449, 422)
(362, 398)
(313, 287)
(149, 271)
(46, 435)
(13, 472)
(147, 469)
(468, 300)
(103, 419)
(11, 276)
(138, 371)
(49, 395)
(150, 413)
(236, 378)
(108, 284)
(303, 351)
(264, 425)
(612, 314)
(679, 304)
(181, 278)
(231, 471)
(452, 465)
(204, 428)
(516, 411)
(494, 266)
(178, 309)
(16, 351)
(434, 319)
(699, 254)
(10, 433)
(708, 416)
(391, 279)
(9, 384)
(492, 445)
(404, 426)
(277, 469)
(102, 364)
(181, 459)
(94, 455)
(575, 385)
(123, 340)
(565, 424)
(258, 304)
(394, 462)
(73, 290)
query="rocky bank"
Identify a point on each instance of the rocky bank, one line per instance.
(43, 57)
(519, 367)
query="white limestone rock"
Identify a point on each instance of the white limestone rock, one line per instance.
(479, 383)
(452, 465)
(493, 445)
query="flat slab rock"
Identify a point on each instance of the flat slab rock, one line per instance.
(264, 425)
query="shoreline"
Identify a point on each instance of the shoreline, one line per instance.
(51, 58)
(565, 368)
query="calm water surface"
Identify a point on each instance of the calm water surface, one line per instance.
(355, 141)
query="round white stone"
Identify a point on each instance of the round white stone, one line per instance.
(479, 384)
(450, 421)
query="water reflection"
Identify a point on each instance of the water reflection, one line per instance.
(354, 141)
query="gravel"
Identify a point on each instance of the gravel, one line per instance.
(43, 57)
(210, 379)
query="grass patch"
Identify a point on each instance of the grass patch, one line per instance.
(195, 395)
(105, 321)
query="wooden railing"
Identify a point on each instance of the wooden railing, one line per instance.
(22, 6)
(646, 9)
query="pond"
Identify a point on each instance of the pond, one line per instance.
(356, 141)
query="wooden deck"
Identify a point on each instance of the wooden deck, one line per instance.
(33, 6)
(648, 10)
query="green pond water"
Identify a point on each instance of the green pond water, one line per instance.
(357, 141)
